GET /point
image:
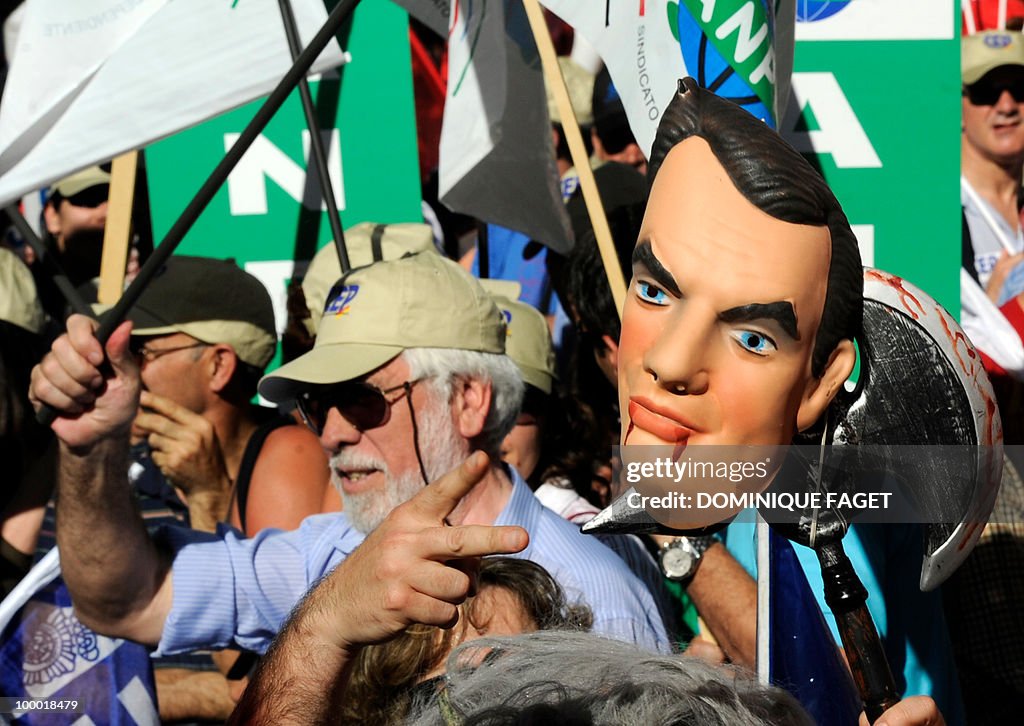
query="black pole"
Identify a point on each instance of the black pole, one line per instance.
(217, 177)
(52, 267)
(316, 145)
(483, 251)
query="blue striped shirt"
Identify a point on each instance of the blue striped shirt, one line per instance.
(229, 590)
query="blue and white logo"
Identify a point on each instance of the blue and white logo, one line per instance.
(998, 41)
(707, 65)
(341, 300)
(810, 11)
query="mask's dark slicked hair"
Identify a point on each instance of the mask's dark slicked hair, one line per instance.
(776, 179)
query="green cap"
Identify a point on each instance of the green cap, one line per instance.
(423, 300)
(987, 50)
(528, 342)
(365, 242)
(19, 303)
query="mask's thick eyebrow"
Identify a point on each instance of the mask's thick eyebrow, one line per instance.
(644, 255)
(781, 312)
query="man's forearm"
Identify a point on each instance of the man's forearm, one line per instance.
(184, 694)
(117, 578)
(726, 598)
(302, 678)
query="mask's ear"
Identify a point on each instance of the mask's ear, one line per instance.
(820, 391)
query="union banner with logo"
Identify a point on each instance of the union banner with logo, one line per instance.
(729, 46)
(48, 658)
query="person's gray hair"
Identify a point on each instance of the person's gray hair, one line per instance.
(444, 366)
(571, 677)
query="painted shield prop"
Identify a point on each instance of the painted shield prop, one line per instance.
(923, 413)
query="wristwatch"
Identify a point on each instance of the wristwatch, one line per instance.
(680, 558)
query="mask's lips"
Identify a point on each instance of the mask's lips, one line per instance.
(663, 427)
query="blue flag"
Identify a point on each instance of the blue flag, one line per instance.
(804, 658)
(46, 653)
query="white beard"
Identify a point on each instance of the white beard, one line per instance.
(442, 448)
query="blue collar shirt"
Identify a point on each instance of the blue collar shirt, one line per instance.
(231, 591)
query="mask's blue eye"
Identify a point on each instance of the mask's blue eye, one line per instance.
(755, 342)
(650, 293)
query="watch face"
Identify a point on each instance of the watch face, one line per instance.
(677, 561)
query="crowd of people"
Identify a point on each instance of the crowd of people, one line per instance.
(393, 534)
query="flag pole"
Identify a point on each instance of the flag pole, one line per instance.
(764, 623)
(118, 228)
(316, 144)
(598, 220)
(217, 177)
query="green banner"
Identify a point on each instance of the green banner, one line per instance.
(889, 149)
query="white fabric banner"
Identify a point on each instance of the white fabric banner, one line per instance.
(988, 328)
(91, 79)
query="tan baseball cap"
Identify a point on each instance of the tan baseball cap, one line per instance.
(365, 243)
(989, 49)
(19, 303)
(528, 342)
(92, 176)
(580, 84)
(375, 312)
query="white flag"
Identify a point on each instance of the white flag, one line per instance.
(90, 79)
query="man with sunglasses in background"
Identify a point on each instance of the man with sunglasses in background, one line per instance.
(74, 220)
(992, 162)
(76, 215)
(408, 376)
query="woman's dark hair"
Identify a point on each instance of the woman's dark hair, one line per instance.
(776, 179)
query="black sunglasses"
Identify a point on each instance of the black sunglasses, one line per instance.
(92, 197)
(362, 404)
(987, 93)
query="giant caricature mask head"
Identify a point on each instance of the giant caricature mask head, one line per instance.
(746, 291)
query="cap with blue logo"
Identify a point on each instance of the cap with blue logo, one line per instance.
(422, 300)
(528, 342)
(987, 50)
(365, 243)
